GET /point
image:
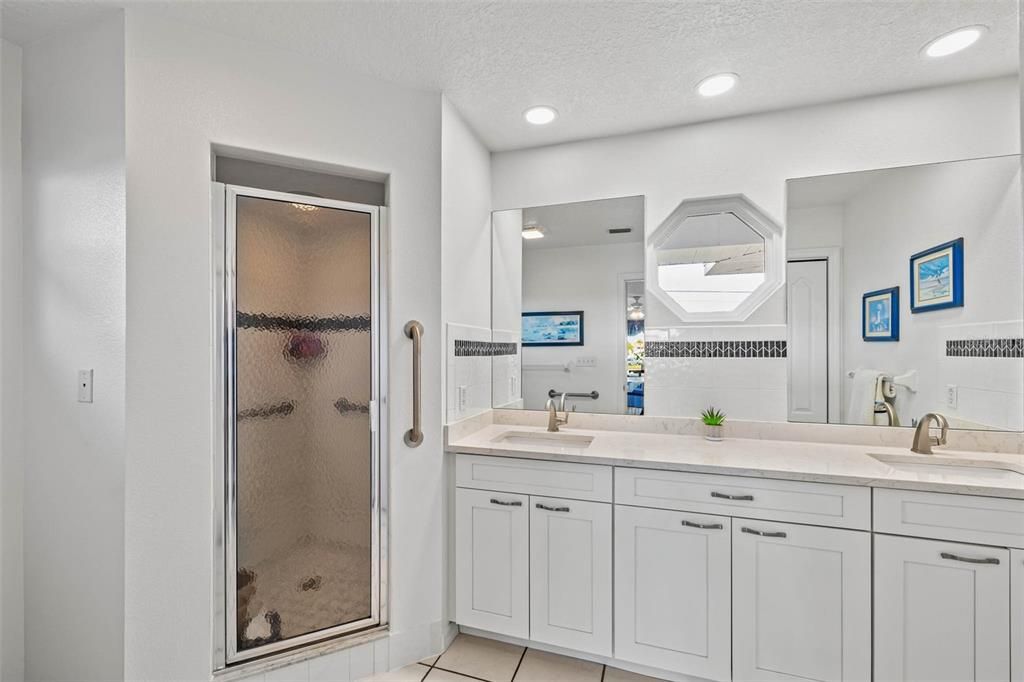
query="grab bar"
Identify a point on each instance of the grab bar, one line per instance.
(593, 395)
(414, 436)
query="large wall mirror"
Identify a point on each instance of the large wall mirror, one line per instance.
(888, 294)
(905, 295)
(568, 294)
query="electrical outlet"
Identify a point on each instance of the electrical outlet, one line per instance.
(85, 385)
(586, 361)
(461, 395)
(951, 396)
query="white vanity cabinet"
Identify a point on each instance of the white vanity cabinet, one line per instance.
(673, 590)
(941, 611)
(944, 606)
(722, 578)
(533, 551)
(801, 602)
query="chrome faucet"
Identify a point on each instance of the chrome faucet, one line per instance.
(554, 421)
(923, 439)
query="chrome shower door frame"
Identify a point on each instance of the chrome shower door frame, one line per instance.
(225, 636)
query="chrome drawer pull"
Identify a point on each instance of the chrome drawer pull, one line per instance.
(763, 533)
(503, 503)
(547, 508)
(703, 526)
(969, 560)
(741, 498)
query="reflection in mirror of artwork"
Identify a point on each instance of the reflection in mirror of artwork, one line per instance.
(904, 295)
(568, 294)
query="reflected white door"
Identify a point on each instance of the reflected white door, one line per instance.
(807, 352)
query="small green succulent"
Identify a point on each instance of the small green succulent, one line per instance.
(713, 417)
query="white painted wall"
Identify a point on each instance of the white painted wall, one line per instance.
(187, 89)
(583, 278)
(12, 598)
(73, 316)
(465, 261)
(754, 155)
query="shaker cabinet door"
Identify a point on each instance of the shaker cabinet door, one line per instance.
(492, 556)
(801, 602)
(672, 591)
(942, 611)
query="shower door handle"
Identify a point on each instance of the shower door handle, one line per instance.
(414, 436)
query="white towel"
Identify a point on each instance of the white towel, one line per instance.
(866, 389)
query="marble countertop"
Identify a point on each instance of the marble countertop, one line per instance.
(792, 460)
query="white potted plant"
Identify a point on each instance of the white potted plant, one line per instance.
(714, 424)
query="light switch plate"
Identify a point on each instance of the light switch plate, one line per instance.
(85, 385)
(586, 361)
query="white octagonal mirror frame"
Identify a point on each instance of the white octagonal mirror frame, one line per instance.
(756, 219)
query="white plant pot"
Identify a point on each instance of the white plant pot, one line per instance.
(714, 433)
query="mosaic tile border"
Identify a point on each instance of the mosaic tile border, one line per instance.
(281, 323)
(985, 348)
(465, 348)
(715, 349)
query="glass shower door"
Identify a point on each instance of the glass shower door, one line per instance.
(302, 465)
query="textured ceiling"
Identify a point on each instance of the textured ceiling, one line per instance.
(608, 67)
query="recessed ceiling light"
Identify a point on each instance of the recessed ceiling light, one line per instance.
(533, 232)
(541, 115)
(954, 41)
(718, 84)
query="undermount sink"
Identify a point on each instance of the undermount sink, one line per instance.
(939, 465)
(544, 439)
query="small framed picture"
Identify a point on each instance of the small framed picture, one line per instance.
(553, 328)
(937, 277)
(880, 315)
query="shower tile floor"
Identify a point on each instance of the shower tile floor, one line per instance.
(472, 658)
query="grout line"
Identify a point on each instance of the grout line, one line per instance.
(467, 675)
(520, 663)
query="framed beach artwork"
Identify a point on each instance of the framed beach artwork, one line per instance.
(553, 329)
(880, 315)
(937, 277)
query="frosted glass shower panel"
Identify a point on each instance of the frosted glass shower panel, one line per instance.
(304, 458)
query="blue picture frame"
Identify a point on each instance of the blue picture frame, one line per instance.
(880, 315)
(937, 277)
(559, 328)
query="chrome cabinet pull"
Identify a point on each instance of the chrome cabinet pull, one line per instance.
(703, 526)
(504, 503)
(741, 498)
(764, 533)
(554, 509)
(414, 436)
(969, 560)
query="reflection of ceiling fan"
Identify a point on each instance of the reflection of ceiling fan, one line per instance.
(635, 310)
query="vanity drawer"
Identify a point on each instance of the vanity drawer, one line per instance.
(535, 477)
(819, 504)
(946, 516)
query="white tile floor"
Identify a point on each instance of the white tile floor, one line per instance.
(471, 659)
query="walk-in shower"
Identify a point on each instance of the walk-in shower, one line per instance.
(301, 526)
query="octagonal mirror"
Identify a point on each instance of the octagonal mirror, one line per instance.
(715, 259)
